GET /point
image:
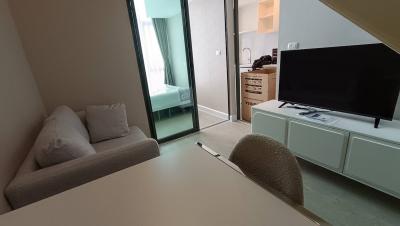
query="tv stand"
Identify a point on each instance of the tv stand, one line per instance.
(310, 111)
(376, 124)
(350, 146)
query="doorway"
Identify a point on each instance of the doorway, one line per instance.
(208, 30)
(256, 51)
(162, 41)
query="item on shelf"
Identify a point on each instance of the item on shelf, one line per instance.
(275, 56)
(322, 118)
(264, 60)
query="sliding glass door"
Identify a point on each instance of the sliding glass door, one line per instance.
(162, 41)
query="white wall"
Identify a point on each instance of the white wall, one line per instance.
(21, 110)
(207, 22)
(314, 25)
(245, 2)
(82, 53)
(248, 17)
(260, 45)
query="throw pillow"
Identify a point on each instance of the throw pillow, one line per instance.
(60, 142)
(106, 122)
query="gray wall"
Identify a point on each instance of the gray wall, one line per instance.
(81, 53)
(207, 23)
(229, 7)
(21, 110)
(314, 25)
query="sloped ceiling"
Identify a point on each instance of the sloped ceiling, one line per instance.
(379, 18)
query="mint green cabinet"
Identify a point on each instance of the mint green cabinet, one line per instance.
(374, 162)
(321, 145)
(271, 126)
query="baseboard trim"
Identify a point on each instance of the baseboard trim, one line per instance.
(213, 112)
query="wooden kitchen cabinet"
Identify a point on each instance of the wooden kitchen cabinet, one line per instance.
(257, 87)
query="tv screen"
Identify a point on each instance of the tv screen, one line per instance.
(361, 79)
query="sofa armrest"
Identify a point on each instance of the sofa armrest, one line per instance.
(32, 187)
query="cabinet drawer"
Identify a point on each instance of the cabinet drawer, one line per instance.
(323, 146)
(270, 126)
(258, 86)
(374, 162)
(246, 108)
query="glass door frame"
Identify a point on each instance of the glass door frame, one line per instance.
(143, 77)
(237, 56)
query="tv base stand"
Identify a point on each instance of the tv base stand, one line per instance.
(376, 124)
(283, 104)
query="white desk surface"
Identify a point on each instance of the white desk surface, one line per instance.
(182, 188)
(388, 130)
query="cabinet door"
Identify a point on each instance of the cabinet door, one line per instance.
(323, 146)
(374, 162)
(270, 126)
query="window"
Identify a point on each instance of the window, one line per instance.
(152, 57)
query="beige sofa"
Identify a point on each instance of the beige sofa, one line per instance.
(32, 184)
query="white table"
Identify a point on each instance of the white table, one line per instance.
(182, 188)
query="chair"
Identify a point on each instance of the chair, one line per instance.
(269, 164)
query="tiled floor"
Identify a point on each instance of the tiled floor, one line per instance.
(207, 120)
(177, 123)
(181, 122)
(335, 198)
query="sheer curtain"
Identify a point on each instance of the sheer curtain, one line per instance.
(153, 60)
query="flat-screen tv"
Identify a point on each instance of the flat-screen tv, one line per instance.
(359, 79)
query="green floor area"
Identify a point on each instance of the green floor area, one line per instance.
(177, 123)
(172, 123)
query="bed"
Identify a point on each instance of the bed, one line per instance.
(167, 96)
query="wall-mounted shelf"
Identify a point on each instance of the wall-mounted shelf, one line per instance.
(266, 1)
(246, 32)
(268, 16)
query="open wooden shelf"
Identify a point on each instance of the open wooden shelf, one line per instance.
(265, 16)
(268, 16)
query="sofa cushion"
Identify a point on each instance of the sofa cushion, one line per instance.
(59, 142)
(29, 165)
(69, 117)
(31, 187)
(134, 136)
(106, 122)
